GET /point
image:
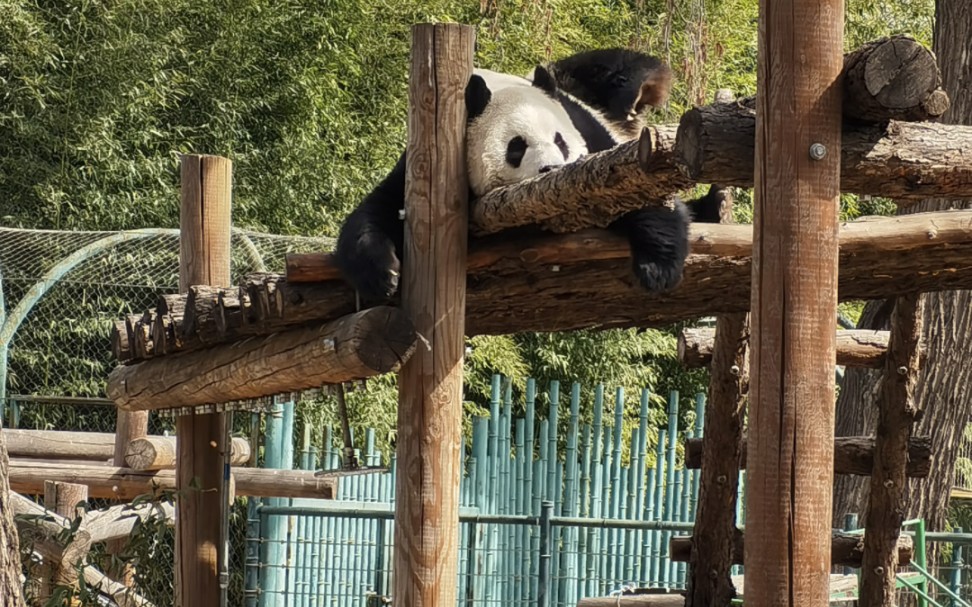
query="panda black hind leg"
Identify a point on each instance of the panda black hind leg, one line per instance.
(659, 238)
(369, 246)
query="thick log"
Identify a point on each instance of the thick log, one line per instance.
(519, 286)
(897, 416)
(846, 550)
(159, 453)
(855, 348)
(45, 531)
(118, 521)
(894, 78)
(905, 161)
(594, 191)
(119, 341)
(56, 444)
(357, 346)
(852, 455)
(27, 477)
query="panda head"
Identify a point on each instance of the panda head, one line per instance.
(516, 132)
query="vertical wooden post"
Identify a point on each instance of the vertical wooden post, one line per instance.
(434, 295)
(789, 479)
(898, 414)
(204, 259)
(129, 425)
(63, 499)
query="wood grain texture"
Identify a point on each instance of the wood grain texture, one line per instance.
(845, 550)
(434, 298)
(159, 453)
(905, 161)
(853, 455)
(893, 78)
(204, 259)
(789, 477)
(855, 348)
(361, 345)
(896, 419)
(28, 476)
(709, 580)
(519, 286)
(634, 600)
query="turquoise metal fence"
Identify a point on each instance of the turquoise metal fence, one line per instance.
(605, 516)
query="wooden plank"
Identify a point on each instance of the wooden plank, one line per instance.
(899, 412)
(204, 259)
(789, 478)
(434, 296)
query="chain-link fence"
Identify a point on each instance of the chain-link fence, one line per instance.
(60, 293)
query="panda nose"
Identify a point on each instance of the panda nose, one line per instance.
(547, 169)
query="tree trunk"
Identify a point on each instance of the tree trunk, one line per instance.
(945, 373)
(11, 590)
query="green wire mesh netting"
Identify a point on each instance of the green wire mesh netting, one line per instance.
(60, 293)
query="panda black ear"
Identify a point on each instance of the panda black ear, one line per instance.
(477, 97)
(544, 81)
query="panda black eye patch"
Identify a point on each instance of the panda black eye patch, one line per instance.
(515, 150)
(564, 148)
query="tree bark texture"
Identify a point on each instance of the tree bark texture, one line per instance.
(942, 387)
(906, 161)
(853, 455)
(11, 590)
(856, 348)
(373, 341)
(898, 414)
(159, 453)
(547, 282)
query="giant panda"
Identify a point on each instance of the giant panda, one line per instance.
(519, 127)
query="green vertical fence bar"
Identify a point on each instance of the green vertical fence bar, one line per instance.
(492, 535)
(641, 488)
(615, 505)
(531, 506)
(568, 564)
(271, 554)
(656, 549)
(583, 547)
(955, 579)
(594, 559)
(670, 491)
(605, 553)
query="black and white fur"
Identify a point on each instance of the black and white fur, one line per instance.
(520, 127)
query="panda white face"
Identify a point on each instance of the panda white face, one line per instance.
(521, 133)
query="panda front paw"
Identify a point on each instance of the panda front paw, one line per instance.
(659, 245)
(372, 266)
(658, 276)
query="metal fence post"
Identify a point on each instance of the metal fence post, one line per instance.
(957, 565)
(471, 558)
(543, 579)
(251, 575)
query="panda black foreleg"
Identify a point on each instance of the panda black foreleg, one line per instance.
(659, 244)
(659, 237)
(369, 246)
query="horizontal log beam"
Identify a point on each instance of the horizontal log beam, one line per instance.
(361, 345)
(634, 600)
(159, 453)
(27, 477)
(89, 446)
(855, 348)
(904, 161)
(119, 521)
(846, 550)
(549, 282)
(852, 455)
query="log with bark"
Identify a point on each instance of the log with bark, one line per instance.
(855, 348)
(27, 477)
(523, 285)
(905, 161)
(894, 78)
(852, 455)
(159, 453)
(634, 600)
(846, 550)
(365, 344)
